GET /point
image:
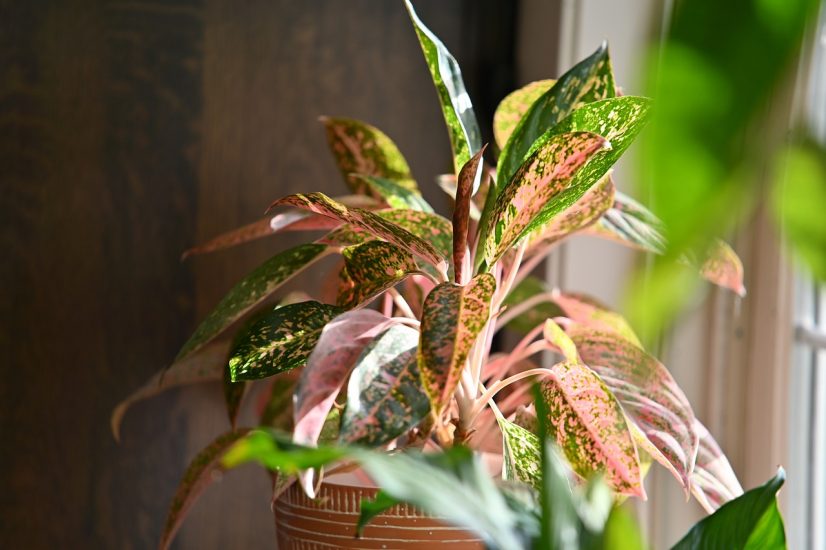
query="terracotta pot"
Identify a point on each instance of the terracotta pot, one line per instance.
(329, 521)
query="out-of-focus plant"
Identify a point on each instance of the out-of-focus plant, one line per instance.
(417, 371)
(717, 77)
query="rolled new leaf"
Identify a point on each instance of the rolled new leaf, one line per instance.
(279, 340)
(452, 318)
(385, 398)
(587, 422)
(462, 127)
(359, 148)
(471, 172)
(251, 291)
(198, 476)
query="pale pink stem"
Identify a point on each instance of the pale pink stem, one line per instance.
(407, 321)
(512, 312)
(401, 303)
(387, 305)
(498, 386)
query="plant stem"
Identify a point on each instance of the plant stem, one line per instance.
(520, 308)
(401, 303)
(487, 397)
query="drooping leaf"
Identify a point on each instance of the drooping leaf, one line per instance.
(647, 391)
(370, 269)
(198, 476)
(723, 267)
(463, 130)
(384, 396)
(359, 148)
(546, 174)
(522, 454)
(619, 120)
(370, 222)
(589, 80)
(531, 288)
(433, 228)
(276, 451)
(339, 346)
(278, 340)
(595, 315)
(394, 193)
(251, 291)
(205, 365)
(585, 212)
(470, 173)
(514, 106)
(453, 317)
(285, 221)
(752, 521)
(713, 481)
(588, 424)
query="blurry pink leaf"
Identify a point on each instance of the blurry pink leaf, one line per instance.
(723, 267)
(453, 317)
(588, 424)
(198, 476)
(713, 481)
(590, 313)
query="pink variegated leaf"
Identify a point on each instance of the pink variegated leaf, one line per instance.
(471, 172)
(285, 221)
(369, 221)
(370, 269)
(359, 148)
(584, 212)
(206, 365)
(453, 317)
(713, 481)
(545, 174)
(647, 391)
(589, 425)
(385, 398)
(591, 313)
(198, 476)
(724, 268)
(511, 109)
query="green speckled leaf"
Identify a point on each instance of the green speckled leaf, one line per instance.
(555, 336)
(233, 395)
(360, 148)
(384, 396)
(522, 454)
(587, 211)
(394, 193)
(198, 476)
(588, 424)
(511, 109)
(370, 269)
(252, 290)
(205, 365)
(619, 120)
(547, 174)
(278, 340)
(452, 318)
(374, 224)
(589, 80)
(528, 288)
(463, 130)
(648, 393)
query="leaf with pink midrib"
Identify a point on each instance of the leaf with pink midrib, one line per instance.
(588, 424)
(545, 174)
(647, 391)
(369, 221)
(453, 317)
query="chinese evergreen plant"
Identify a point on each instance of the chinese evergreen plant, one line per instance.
(401, 358)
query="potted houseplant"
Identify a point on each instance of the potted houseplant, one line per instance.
(400, 357)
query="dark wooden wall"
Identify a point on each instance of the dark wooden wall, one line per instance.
(130, 130)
